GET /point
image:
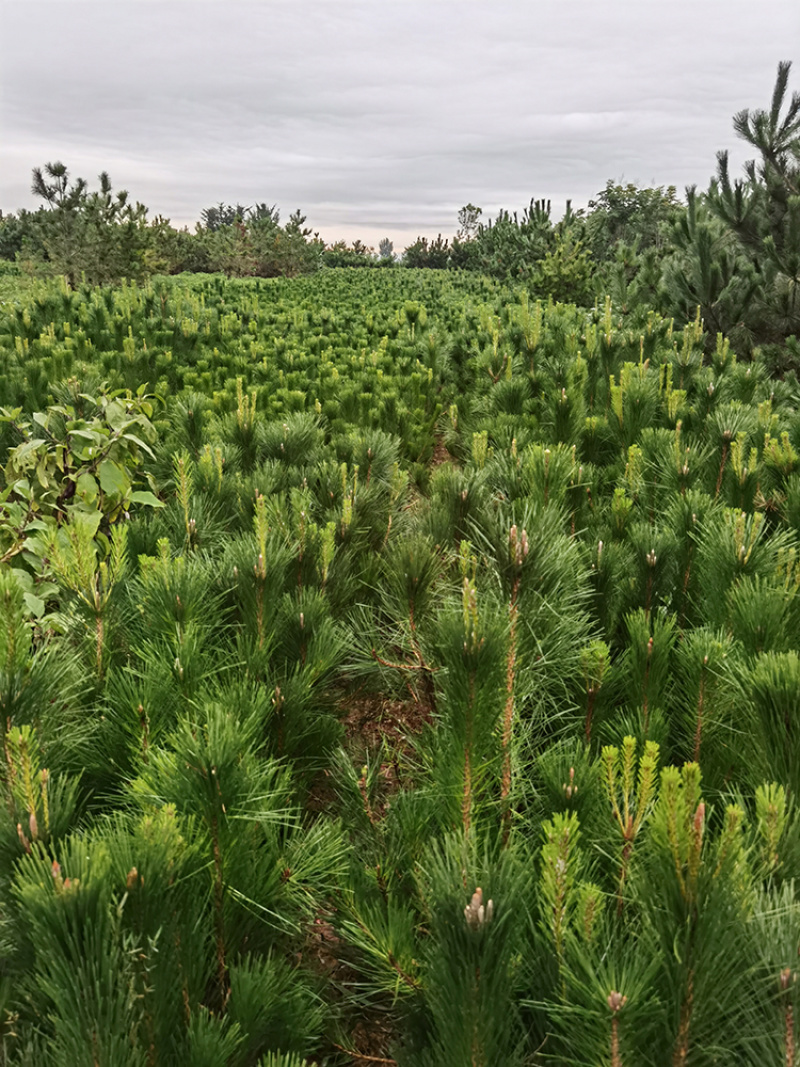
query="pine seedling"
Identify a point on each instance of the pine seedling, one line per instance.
(411, 569)
(621, 509)
(646, 663)
(559, 898)
(212, 775)
(473, 954)
(565, 777)
(547, 475)
(211, 1039)
(184, 485)
(703, 689)
(689, 358)
(470, 646)
(398, 487)
(211, 467)
(631, 797)
(594, 664)
(696, 893)
(746, 474)
(176, 613)
(682, 460)
(773, 688)
(82, 976)
(518, 552)
(244, 429)
(15, 648)
(274, 1007)
(787, 569)
(686, 516)
(734, 421)
(683, 817)
(611, 1011)
(633, 477)
(27, 786)
(655, 547)
(760, 615)
(157, 874)
(72, 552)
(480, 449)
(676, 403)
(771, 814)
(328, 550)
(260, 568)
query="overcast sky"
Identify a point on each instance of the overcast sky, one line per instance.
(381, 117)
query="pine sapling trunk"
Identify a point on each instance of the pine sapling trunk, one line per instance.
(615, 1001)
(682, 1045)
(726, 439)
(519, 548)
(219, 899)
(508, 714)
(466, 800)
(698, 733)
(99, 628)
(591, 696)
(686, 576)
(645, 683)
(786, 980)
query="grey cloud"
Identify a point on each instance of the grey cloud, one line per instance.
(375, 116)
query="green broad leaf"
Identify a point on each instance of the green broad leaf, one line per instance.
(41, 473)
(35, 604)
(116, 416)
(40, 419)
(144, 497)
(25, 449)
(22, 488)
(87, 435)
(24, 579)
(90, 519)
(138, 441)
(86, 487)
(113, 478)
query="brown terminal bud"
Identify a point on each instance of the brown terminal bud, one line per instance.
(616, 1001)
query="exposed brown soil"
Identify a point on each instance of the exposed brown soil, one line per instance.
(372, 1041)
(370, 718)
(370, 1038)
(440, 454)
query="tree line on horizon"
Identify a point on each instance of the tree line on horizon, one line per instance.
(732, 251)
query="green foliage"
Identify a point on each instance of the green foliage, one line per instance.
(371, 740)
(77, 459)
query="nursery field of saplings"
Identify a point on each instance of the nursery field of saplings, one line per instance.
(393, 669)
